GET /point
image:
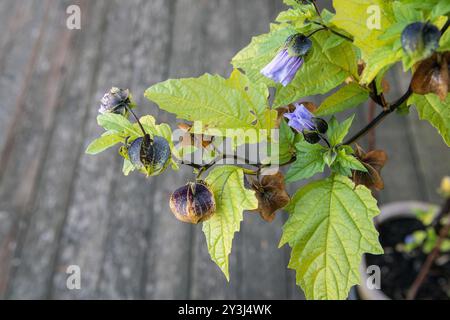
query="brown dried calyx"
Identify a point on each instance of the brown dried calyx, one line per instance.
(271, 194)
(191, 139)
(432, 76)
(374, 161)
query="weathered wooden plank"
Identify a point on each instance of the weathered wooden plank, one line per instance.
(27, 137)
(32, 279)
(431, 155)
(85, 230)
(433, 161)
(124, 269)
(401, 178)
(264, 271)
(171, 244)
(19, 50)
(218, 44)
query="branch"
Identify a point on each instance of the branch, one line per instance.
(316, 7)
(332, 31)
(390, 108)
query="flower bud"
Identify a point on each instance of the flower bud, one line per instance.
(151, 155)
(420, 39)
(115, 101)
(193, 203)
(298, 45)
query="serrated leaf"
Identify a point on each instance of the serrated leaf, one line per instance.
(329, 228)
(117, 123)
(216, 104)
(430, 108)
(310, 161)
(346, 162)
(106, 141)
(337, 131)
(232, 198)
(347, 97)
(256, 95)
(355, 17)
(208, 99)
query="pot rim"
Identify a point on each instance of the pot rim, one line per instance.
(388, 211)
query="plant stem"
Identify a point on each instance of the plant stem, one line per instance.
(137, 119)
(371, 134)
(391, 108)
(316, 7)
(326, 140)
(422, 276)
(333, 31)
(315, 31)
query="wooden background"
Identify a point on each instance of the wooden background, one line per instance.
(60, 207)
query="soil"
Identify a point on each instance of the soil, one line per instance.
(399, 270)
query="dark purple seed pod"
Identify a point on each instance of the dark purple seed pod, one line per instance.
(193, 203)
(311, 137)
(115, 101)
(153, 155)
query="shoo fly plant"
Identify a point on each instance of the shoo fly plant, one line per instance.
(307, 52)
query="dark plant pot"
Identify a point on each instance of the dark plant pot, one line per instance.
(390, 212)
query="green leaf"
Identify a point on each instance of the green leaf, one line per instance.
(355, 17)
(346, 162)
(298, 16)
(106, 141)
(444, 43)
(436, 112)
(381, 59)
(215, 102)
(329, 157)
(310, 161)
(329, 228)
(127, 167)
(332, 42)
(256, 96)
(232, 198)
(117, 123)
(323, 70)
(337, 132)
(286, 143)
(345, 98)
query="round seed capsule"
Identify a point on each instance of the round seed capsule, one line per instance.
(153, 156)
(193, 203)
